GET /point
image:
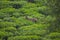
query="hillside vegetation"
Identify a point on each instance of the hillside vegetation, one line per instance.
(29, 20)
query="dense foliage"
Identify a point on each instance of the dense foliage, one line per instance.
(29, 20)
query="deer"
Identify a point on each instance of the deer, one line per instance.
(31, 19)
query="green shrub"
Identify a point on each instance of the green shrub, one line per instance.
(25, 38)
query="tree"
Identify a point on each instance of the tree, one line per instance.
(54, 6)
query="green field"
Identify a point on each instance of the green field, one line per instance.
(29, 20)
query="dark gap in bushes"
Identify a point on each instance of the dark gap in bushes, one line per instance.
(1, 17)
(32, 1)
(17, 6)
(17, 26)
(42, 12)
(5, 38)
